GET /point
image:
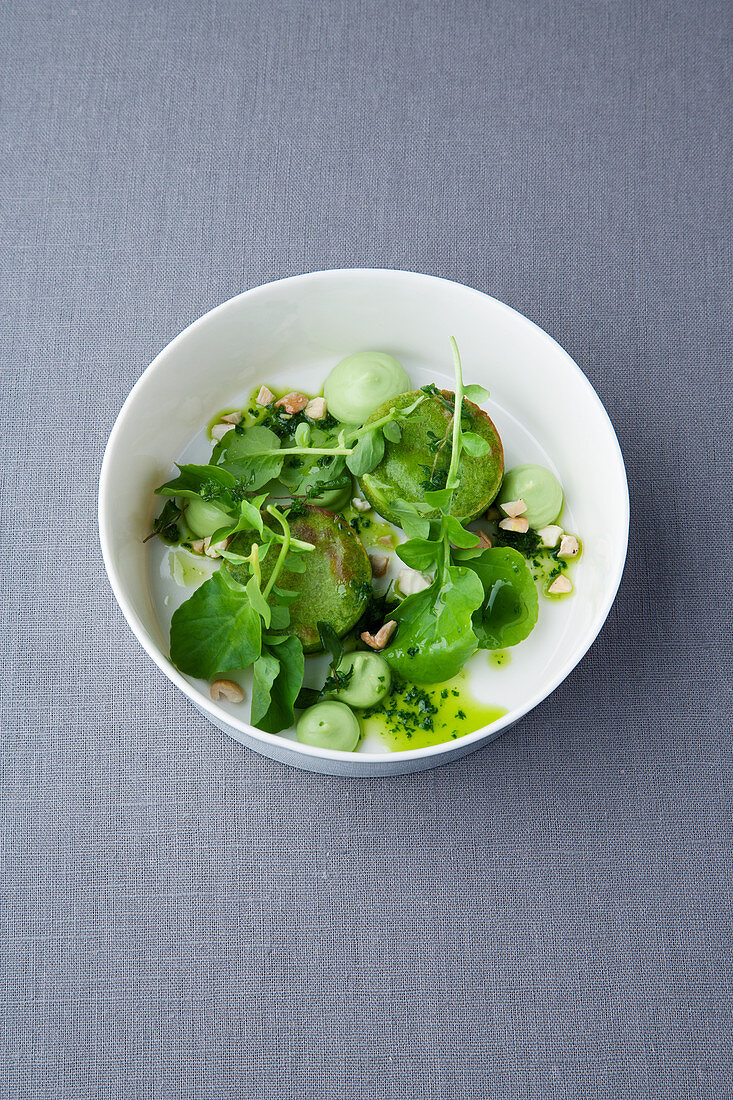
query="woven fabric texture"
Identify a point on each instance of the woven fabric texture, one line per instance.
(548, 918)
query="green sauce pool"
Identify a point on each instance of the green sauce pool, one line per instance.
(415, 715)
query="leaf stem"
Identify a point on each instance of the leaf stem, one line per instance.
(452, 482)
(285, 547)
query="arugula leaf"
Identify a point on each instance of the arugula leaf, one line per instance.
(476, 393)
(510, 606)
(420, 553)
(216, 630)
(247, 455)
(277, 680)
(435, 636)
(367, 453)
(392, 431)
(192, 479)
(475, 445)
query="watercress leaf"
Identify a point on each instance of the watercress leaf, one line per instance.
(510, 606)
(193, 478)
(392, 431)
(476, 393)
(302, 435)
(249, 519)
(295, 563)
(235, 559)
(438, 498)
(279, 616)
(330, 642)
(435, 637)
(285, 595)
(412, 523)
(462, 554)
(475, 445)
(258, 601)
(458, 534)
(242, 455)
(216, 630)
(367, 453)
(419, 553)
(277, 680)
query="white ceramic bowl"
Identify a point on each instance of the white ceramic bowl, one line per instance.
(291, 333)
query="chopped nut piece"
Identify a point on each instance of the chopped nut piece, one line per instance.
(569, 547)
(213, 550)
(560, 586)
(378, 564)
(513, 508)
(198, 546)
(316, 408)
(292, 402)
(386, 540)
(232, 418)
(220, 430)
(382, 637)
(519, 525)
(411, 581)
(550, 535)
(484, 541)
(492, 514)
(226, 689)
(361, 505)
(265, 396)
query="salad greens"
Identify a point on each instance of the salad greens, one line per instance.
(471, 596)
(223, 626)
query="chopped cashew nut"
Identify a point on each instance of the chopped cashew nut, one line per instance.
(560, 586)
(361, 505)
(386, 540)
(519, 525)
(513, 508)
(265, 396)
(226, 689)
(381, 638)
(569, 547)
(484, 541)
(550, 535)
(292, 402)
(220, 430)
(378, 564)
(410, 581)
(492, 514)
(198, 546)
(232, 418)
(316, 408)
(212, 551)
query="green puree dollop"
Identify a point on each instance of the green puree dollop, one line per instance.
(420, 460)
(413, 715)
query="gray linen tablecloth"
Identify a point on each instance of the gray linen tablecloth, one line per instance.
(548, 918)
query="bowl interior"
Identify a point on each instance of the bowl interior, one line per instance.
(291, 333)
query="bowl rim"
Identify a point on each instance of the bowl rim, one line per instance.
(275, 740)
